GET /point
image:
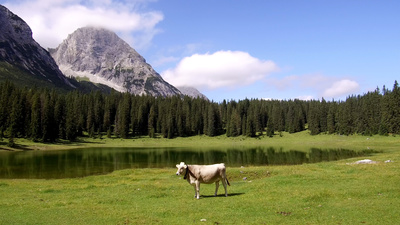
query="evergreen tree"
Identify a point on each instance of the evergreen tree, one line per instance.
(152, 122)
(170, 125)
(331, 118)
(47, 122)
(291, 119)
(45, 115)
(35, 128)
(270, 127)
(278, 116)
(323, 116)
(124, 111)
(70, 118)
(235, 124)
(394, 109)
(250, 126)
(59, 116)
(212, 121)
(314, 117)
(385, 112)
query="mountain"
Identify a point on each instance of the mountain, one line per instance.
(102, 57)
(191, 91)
(22, 59)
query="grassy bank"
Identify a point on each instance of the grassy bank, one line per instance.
(323, 193)
(297, 141)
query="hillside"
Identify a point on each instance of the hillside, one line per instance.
(22, 59)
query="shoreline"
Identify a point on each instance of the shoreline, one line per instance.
(301, 140)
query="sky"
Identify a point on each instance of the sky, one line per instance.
(233, 50)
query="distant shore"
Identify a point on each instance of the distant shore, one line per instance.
(296, 141)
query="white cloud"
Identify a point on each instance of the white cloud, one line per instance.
(341, 87)
(52, 20)
(305, 97)
(221, 69)
(316, 85)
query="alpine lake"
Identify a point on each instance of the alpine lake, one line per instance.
(93, 161)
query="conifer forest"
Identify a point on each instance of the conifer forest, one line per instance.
(46, 115)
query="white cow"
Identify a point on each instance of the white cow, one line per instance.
(196, 174)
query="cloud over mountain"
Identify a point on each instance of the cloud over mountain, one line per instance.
(229, 69)
(51, 21)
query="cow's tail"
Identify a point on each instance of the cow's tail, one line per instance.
(227, 181)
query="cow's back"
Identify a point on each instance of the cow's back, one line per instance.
(209, 173)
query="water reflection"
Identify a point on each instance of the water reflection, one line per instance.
(86, 162)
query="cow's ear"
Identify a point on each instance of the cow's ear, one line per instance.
(185, 166)
(177, 166)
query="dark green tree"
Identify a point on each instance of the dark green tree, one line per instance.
(36, 119)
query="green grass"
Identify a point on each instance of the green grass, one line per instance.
(297, 141)
(323, 193)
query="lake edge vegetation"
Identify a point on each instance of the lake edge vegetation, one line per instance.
(337, 192)
(45, 115)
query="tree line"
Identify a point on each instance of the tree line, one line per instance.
(45, 115)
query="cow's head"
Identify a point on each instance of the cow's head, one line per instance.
(181, 168)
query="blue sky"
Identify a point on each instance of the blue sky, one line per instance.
(235, 49)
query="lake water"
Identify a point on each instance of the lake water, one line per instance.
(86, 162)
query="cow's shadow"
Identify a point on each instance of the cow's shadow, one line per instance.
(221, 195)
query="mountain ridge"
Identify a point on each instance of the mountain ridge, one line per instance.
(92, 52)
(21, 52)
(103, 57)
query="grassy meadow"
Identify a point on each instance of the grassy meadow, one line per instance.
(323, 193)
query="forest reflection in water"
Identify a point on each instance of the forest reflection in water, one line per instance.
(86, 162)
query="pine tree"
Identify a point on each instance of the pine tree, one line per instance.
(70, 118)
(278, 116)
(212, 121)
(314, 117)
(323, 116)
(385, 112)
(59, 116)
(291, 119)
(331, 118)
(235, 124)
(35, 127)
(124, 111)
(250, 126)
(6, 89)
(270, 127)
(394, 109)
(152, 123)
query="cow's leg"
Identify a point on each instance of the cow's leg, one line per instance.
(216, 187)
(198, 189)
(224, 183)
(195, 192)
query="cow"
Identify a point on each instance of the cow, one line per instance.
(196, 174)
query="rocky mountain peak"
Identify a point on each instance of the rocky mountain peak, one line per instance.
(13, 26)
(102, 57)
(18, 48)
(191, 91)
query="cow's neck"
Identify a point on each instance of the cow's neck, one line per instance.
(188, 173)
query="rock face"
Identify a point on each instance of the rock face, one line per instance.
(18, 48)
(103, 57)
(192, 92)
